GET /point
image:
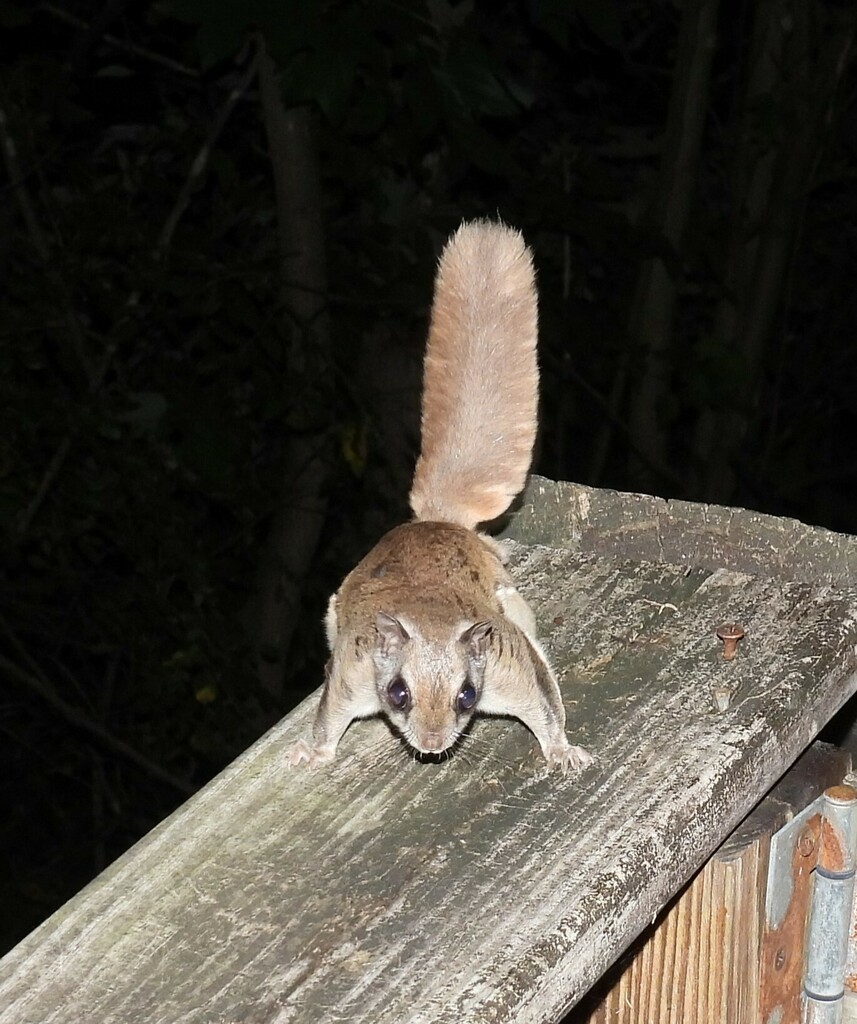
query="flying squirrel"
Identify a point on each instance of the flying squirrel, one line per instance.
(429, 628)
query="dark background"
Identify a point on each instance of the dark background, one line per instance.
(219, 226)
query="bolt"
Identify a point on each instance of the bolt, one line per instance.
(730, 633)
(780, 960)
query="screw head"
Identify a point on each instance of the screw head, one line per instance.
(730, 633)
(806, 843)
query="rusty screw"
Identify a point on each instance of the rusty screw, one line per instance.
(730, 633)
(806, 843)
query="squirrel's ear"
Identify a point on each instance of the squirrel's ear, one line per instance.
(476, 637)
(391, 633)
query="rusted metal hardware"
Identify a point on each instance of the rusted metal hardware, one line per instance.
(791, 862)
(730, 633)
(830, 908)
(811, 873)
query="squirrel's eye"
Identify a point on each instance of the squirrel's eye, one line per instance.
(398, 694)
(466, 697)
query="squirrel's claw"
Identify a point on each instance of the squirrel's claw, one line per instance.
(303, 753)
(566, 756)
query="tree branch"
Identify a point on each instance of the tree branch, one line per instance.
(120, 44)
(200, 162)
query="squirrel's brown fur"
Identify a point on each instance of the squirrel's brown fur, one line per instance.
(429, 628)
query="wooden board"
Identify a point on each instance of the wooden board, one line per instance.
(480, 889)
(641, 526)
(705, 959)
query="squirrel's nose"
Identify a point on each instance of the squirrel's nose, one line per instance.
(433, 742)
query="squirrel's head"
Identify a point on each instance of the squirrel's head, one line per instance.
(429, 687)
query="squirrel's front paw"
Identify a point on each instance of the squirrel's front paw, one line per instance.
(565, 756)
(303, 753)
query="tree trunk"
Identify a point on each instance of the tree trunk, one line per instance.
(650, 329)
(273, 612)
(768, 191)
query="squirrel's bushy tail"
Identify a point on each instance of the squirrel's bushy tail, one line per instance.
(480, 388)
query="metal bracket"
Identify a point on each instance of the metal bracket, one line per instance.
(780, 888)
(815, 853)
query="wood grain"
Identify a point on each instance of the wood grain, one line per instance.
(701, 964)
(711, 957)
(641, 526)
(481, 889)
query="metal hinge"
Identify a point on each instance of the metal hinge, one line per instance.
(808, 903)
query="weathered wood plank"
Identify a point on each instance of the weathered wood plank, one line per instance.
(641, 526)
(710, 975)
(702, 962)
(480, 889)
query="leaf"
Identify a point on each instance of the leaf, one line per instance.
(354, 447)
(324, 65)
(472, 82)
(150, 409)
